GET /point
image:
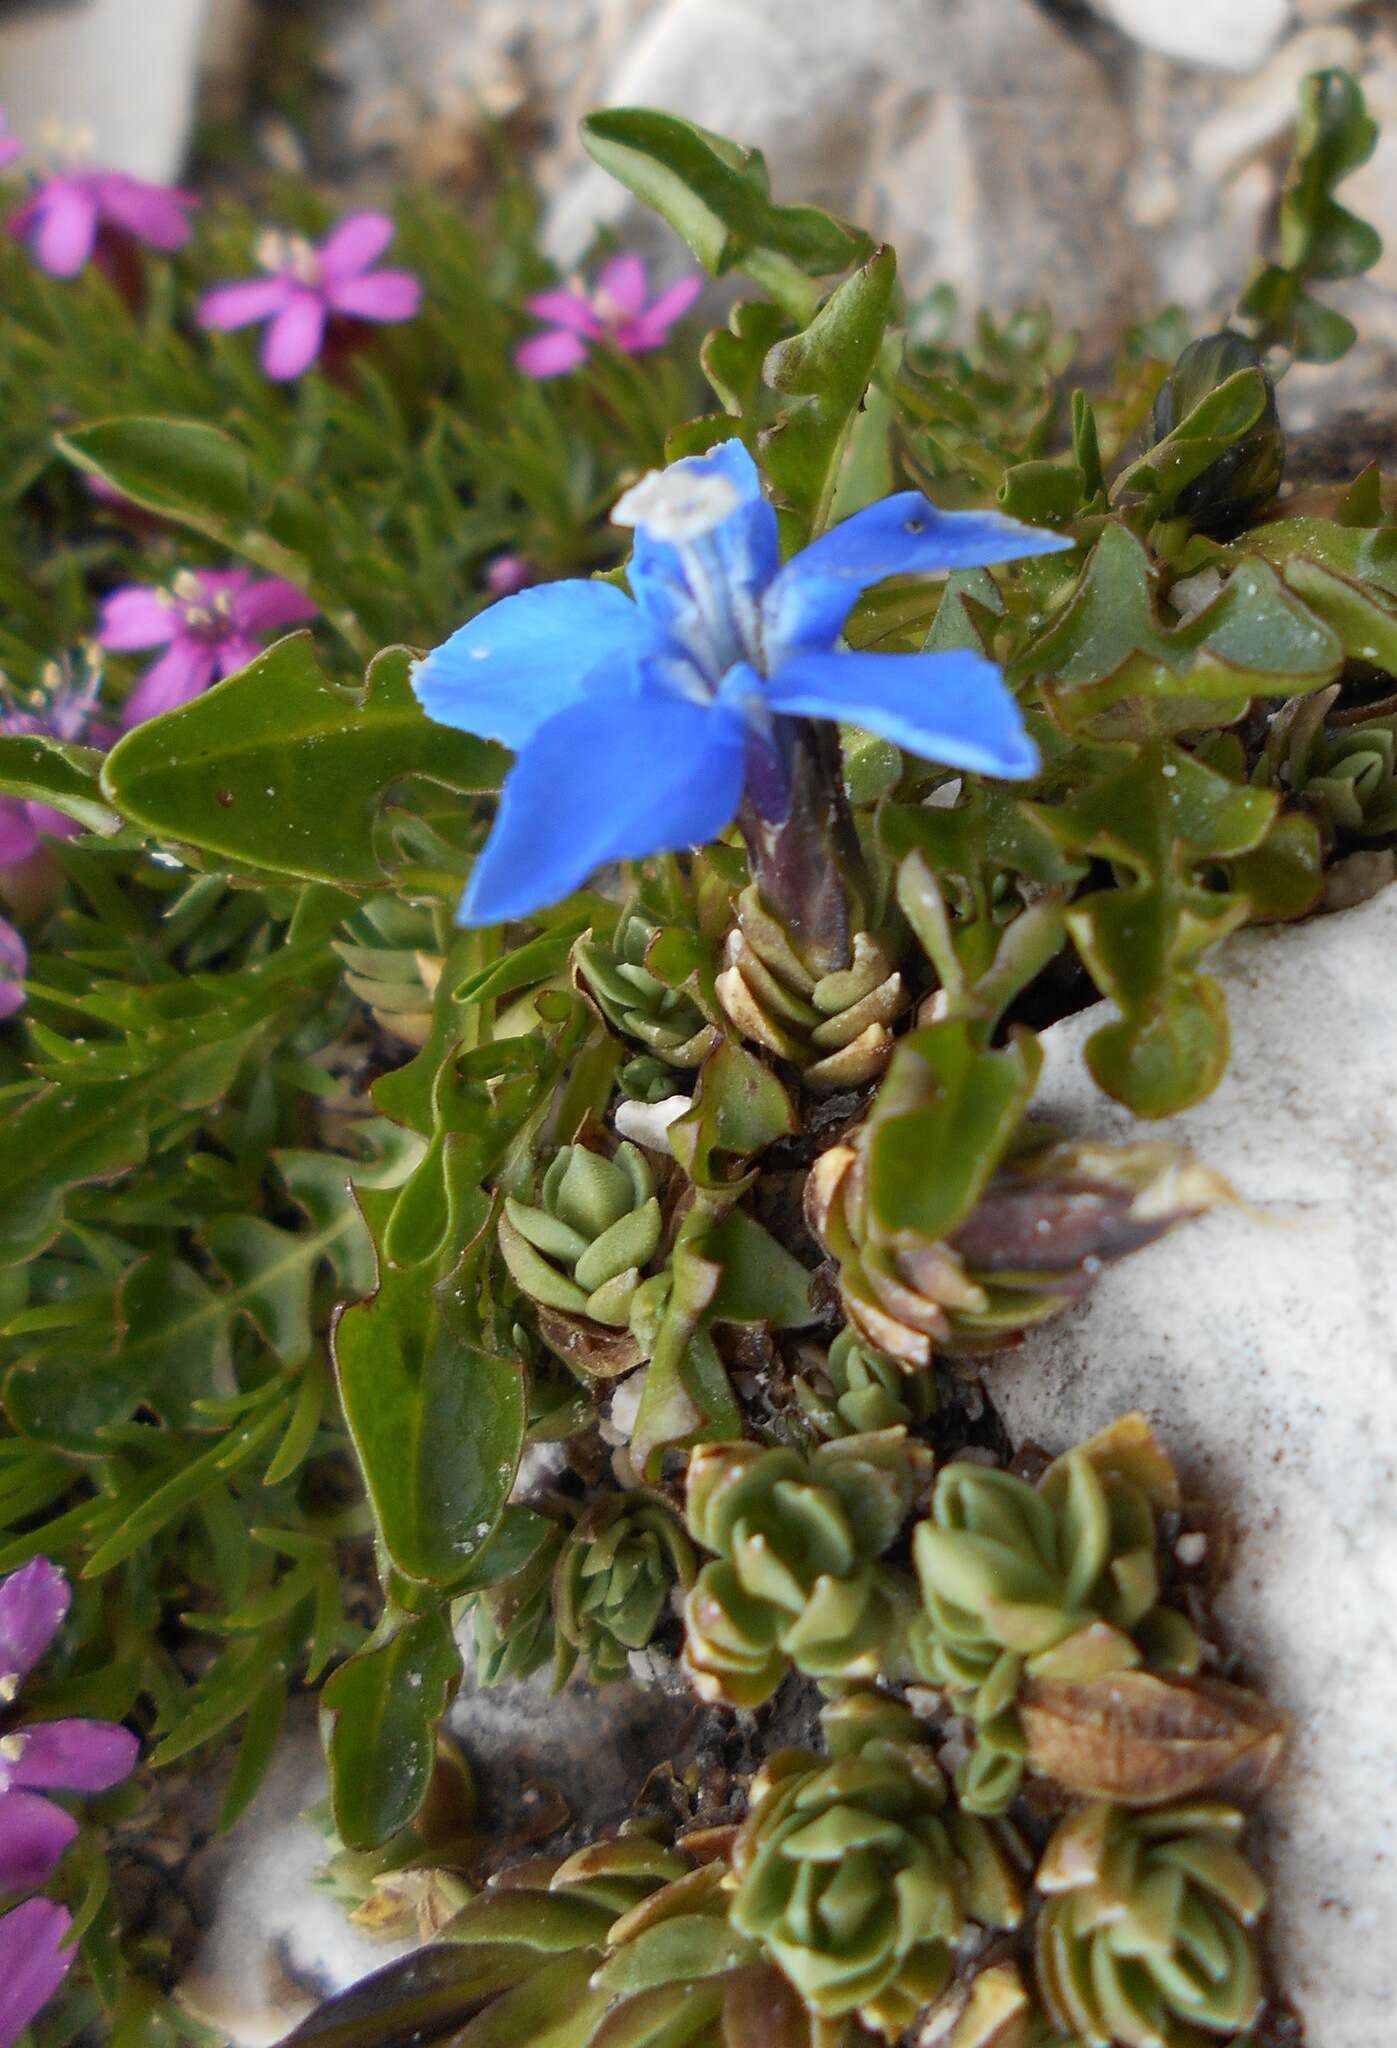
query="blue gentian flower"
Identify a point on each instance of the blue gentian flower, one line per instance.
(638, 722)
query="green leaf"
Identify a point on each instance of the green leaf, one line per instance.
(1318, 238)
(438, 1423)
(381, 1712)
(185, 470)
(43, 770)
(1110, 668)
(284, 771)
(823, 373)
(1160, 816)
(943, 1116)
(739, 1108)
(716, 196)
(761, 1282)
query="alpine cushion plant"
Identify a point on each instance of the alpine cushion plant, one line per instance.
(210, 622)
(309, 286)
(682, 700)
(63, 218)
(614, 310)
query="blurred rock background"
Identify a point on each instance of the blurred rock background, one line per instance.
(1105, 155)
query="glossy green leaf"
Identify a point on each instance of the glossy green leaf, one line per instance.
(45, 770)
(1110, 667)
(761, 1282)
(284, 771)
(822, 374)
(1161, 816)
(187, 470)
(437, 1421)
(381, 1712)
(716, 196)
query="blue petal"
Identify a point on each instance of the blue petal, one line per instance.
(608, 779)
(951, 707)
(906, 535)
(744, 548)
(519, 662)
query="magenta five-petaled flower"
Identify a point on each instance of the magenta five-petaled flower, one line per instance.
(38, 1757)
(310, 284)
(67, 211)
(614, 310)
(210, 623)
(61, 710)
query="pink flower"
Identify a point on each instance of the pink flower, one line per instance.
(14, 965)
(64, 215)
(33, 1963)
(614, 311)
(310, 286)
(44, 1756)
(10, 145)
(505, 574)
(63, 712)
(210, 622)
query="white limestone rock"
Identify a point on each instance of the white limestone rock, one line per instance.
(1265, 1353)
(925, 120)
(273, 1946)
(1234, 36)
(124, 73)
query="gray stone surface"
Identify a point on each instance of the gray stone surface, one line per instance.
(1265, 1352)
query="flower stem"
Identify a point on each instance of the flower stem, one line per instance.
(805, 855)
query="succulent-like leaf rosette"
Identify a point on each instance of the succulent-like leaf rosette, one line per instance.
(857, 1389)
(579, 1252)
(858, 1875)
(1145, 1940)
(1054, 1581)
(615, 1577)
(795, 1579)
(665, 1020)
(836, 1027)
(954, 1225)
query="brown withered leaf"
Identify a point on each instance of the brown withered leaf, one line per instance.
(1142, 1740)
(600, 1352)
(762, 2011)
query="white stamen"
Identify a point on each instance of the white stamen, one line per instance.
(9, 1687)
(12, 1748)
(677, 504)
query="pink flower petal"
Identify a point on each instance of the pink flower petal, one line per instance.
(33, 1963)
(135, 617)
(265, 606)
(234, 654)
(652, 327)
(33, 1600)
(33, 1835)
(567, 309)
(63, 227)
(294, 337)
(18, 839)
(549, 355)
(57, 824)
(71, 1756)
(10, 148)
(238, 305)
(359, 240)
(155, 214)
(380, 295)
(177, 676)
(13, 969)
(622, 282)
